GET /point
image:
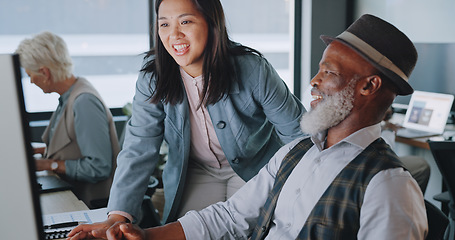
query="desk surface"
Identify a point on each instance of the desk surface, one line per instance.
(416, 142)
(61, 201)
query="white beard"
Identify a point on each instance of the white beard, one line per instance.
(329, 112)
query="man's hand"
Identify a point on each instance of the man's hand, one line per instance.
(391, 126)
(125, 231)
(128, 231)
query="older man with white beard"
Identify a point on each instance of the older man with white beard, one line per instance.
(343, 182)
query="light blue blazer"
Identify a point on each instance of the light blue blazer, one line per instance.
(257, 117)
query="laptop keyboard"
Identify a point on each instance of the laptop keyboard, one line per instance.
(412, 133)
(56, 234)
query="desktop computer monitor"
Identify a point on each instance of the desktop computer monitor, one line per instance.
(19, 197)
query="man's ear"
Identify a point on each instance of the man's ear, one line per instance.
(370, 85)
(45, 72)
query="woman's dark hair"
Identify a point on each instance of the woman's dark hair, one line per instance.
(218, 68)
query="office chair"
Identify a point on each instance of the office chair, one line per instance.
(444, 156)
(437, 222)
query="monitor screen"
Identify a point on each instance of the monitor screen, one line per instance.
(19, 197)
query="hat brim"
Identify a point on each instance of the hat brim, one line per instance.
(402, 85)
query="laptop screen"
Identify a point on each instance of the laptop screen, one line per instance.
(19, 196)
(428, 111)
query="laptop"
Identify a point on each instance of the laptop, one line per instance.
(52, 183)
(426, 115)
(49, 182)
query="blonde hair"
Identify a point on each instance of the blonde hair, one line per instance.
(46, 50)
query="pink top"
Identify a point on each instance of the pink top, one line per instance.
(205, 147)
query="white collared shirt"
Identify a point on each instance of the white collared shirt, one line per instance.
(393, 206)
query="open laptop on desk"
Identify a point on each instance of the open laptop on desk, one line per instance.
(49, 182)
(426, 115)
(52, 183)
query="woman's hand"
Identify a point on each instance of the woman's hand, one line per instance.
(95, 230)
(43, 164)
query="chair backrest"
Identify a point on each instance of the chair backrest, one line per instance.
(444, 156)
(437, 222)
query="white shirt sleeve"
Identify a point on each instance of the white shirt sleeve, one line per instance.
(393, 208)
(235, 218)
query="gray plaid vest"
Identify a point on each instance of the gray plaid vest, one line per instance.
(336, 215)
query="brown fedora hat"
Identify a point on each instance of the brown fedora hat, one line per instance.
(384, 46)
